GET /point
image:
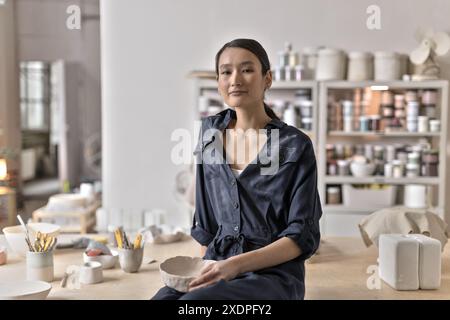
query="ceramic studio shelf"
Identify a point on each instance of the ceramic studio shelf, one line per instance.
(383, 134)
(380, 180)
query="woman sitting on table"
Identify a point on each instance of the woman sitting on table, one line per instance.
(259, 220)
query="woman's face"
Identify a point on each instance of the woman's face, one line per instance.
(240, 78)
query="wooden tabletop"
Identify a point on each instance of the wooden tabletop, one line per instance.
(343, 269)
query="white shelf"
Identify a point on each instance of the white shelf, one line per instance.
(426, 84)
(383, 134)
(438, 140)
(346, 209)
(380, 180)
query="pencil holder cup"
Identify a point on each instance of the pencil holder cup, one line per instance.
(131, 259)
(40, 266)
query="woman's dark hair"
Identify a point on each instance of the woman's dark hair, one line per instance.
(257, 49)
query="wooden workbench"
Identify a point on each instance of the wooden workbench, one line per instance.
(339, 271)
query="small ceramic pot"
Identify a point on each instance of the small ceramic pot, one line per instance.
(131, 259)
(91, 272)
(40, 266)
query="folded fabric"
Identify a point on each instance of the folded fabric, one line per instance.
(403, 220)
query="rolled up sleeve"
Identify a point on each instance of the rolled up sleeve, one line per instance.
(305, 209)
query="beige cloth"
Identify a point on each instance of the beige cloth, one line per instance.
(404, 221)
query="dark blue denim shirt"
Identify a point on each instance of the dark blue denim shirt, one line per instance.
(236, 215)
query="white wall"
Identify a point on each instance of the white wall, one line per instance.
(148, 47)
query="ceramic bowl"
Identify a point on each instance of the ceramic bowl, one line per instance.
(362, 169)
(25, 290)
(15, 235)
(179, 271)
(107, 261)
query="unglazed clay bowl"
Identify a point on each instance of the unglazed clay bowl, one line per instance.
(179, 271)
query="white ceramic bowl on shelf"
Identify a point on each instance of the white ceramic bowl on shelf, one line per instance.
(362, 169)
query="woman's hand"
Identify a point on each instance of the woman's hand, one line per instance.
(213, 272)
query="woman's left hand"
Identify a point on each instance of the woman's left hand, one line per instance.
(213, 272)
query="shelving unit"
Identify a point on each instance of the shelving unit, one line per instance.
(343, 219)
(279, 90)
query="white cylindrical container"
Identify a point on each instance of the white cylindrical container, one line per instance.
(412, 109)
(415, 196)
(348, 124)
(290, 116)
(387, 66)
(347, 108)
(411, 124)
(40, 266)
(435, 125)
(388, 170)
(331, 65)
(360, 66)
(422, 124)
(289, 73)
(91, 272)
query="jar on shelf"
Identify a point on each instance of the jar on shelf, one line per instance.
(368, 152)
(435, 125)
(279, 73)
(388, 170)
(290, 116)
(360, 66)
(308, 59)
(334, 195)
(411, 124)
(332, 168)
(414, 157)
(374, 123)
(343, 167)
(430, 169)
(390, 153)
(387, 66)
(307, 124)
(411, 95)
(289, 73)
(422, 124)
(349, 151)
(399, 101)
(429, 110)
(429, 97)
(306, 108)
(348, 124)
(330, 64)
(397, 168)
(330, 152)
(299, 72)
(412, 170)
(363, 124)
